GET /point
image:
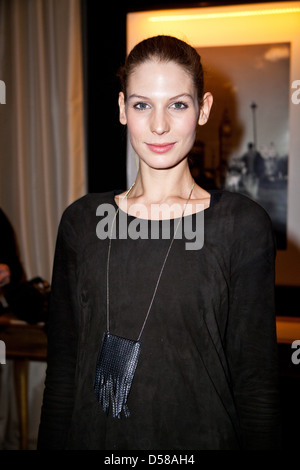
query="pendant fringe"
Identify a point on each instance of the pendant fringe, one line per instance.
(116, 365)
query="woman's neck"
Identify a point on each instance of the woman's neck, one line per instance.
(163, 190)
(159, 186)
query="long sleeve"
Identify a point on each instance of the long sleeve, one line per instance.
(251, 332)
(62, 345)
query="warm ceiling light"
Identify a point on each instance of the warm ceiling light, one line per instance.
(232, 14)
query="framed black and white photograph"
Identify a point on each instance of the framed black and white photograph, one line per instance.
(245, 144)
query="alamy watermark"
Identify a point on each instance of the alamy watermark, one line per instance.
(2, 352)
(158, 222)
(296, 93)
(296, 354)
(2, 92)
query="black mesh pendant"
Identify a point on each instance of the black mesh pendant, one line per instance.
(116, 364)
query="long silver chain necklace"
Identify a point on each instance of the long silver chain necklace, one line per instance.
(118, 357)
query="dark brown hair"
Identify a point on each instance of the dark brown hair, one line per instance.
(165, 49)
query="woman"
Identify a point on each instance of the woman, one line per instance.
(206, 370)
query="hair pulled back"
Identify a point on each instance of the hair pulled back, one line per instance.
(165, 49)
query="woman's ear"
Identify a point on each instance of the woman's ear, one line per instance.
(122, 109)
(205, 109)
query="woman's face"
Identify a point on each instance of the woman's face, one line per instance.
(161, 112)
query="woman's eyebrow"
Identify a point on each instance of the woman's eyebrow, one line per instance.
(137, 97)
(181, 95)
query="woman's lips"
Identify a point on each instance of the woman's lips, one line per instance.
(161, 148)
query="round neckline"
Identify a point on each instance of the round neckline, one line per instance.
(212, 203)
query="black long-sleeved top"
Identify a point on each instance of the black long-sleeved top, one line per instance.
(207, 373)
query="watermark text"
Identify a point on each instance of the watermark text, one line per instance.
(296, 354)
(296, 93)
(2, 352)
(2, 92)
(161, 221)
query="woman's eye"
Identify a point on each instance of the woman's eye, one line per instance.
(141, 106)
(179, 105)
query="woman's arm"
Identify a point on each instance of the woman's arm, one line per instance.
(251, 333)
(62, 345)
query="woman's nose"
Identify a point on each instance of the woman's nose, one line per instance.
(160, 122)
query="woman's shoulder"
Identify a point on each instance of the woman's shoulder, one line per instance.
(241, 222)
(86, 206)
(79, 220)
(241, 207)
(247, 224)
(80, 217)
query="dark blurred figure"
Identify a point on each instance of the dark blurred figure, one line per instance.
(11, 275)
(11, 270)
(254, 162)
